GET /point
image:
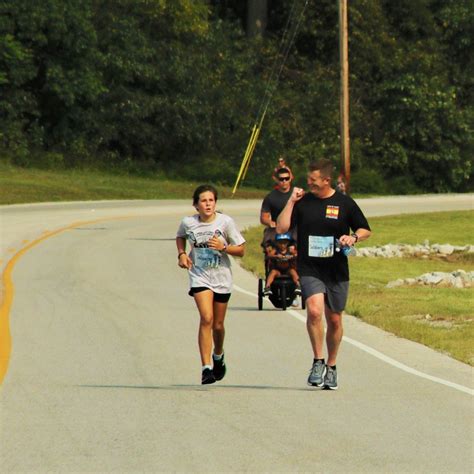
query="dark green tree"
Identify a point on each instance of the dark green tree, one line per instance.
(176, 85)
(56, 46)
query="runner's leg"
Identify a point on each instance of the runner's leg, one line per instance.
(204, 302)
(218, 329)
(334, 334)
(314, 323)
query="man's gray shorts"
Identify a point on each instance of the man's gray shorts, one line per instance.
(335, 294)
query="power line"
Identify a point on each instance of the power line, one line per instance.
(272, 83)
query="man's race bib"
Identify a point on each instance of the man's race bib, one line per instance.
(206, 258)
(322, 247)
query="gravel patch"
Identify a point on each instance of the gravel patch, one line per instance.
(456, 279)
(424, 250)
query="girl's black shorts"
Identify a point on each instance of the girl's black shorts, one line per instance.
(218, 297)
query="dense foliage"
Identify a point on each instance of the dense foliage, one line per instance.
(175, 86)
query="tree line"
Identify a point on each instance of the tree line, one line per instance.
(174, 87)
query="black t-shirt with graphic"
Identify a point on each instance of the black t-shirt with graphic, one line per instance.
(319, 222)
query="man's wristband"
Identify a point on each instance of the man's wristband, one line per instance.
(181, 253)
(355, 237)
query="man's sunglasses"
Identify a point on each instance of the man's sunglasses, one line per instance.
(286, 178)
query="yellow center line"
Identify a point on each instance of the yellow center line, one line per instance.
(8, 289)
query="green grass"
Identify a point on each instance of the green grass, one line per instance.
(26, 185)
(456, 228)
(403, 311)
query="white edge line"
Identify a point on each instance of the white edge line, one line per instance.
(378, 354)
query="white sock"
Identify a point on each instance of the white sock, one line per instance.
(204, 367)
(217, 357)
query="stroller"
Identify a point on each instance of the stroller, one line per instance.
(283, 290)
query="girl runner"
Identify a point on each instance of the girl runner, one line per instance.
(213, 237)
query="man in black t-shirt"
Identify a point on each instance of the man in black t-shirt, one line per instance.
(274, 202)
(324, 219)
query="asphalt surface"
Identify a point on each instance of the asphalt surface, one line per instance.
(104, 372)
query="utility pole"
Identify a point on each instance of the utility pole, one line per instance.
(344, 94)
(257, 12)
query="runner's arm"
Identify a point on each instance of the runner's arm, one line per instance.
(266, 219)
(358, 236)
(234, 250)
(183, 259)
(284, 218)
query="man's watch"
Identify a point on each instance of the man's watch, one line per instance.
(355, 236)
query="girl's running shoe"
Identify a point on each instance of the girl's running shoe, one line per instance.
(219, 368)
(207, 377)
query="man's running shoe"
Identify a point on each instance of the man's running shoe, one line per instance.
(207, 377)
(267, 291)
(330, 379)
(298, 290)
(317, 373)
(219, 368)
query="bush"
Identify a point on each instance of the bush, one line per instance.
(368, 182)
(403, 185)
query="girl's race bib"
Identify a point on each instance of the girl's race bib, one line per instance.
(206, 258)
(322, 247)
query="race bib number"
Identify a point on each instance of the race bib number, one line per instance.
(322, 247)
(206, 258)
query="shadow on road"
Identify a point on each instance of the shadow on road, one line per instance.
(201, 388)
(160, 239)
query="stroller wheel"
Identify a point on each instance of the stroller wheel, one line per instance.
(283, 297)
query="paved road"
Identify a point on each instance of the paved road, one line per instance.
(104, 369)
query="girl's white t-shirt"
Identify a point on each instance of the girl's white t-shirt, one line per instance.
(211, 268)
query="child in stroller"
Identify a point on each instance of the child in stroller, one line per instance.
(281, 259)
